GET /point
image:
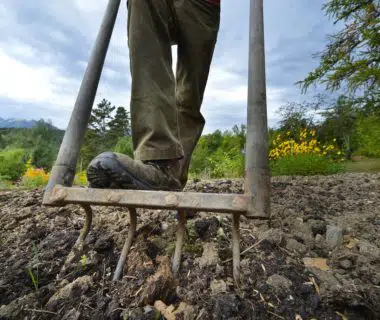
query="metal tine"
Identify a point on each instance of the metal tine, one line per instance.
(127, 245)
(179, 243)
(86, 227)
(77, 249)
(236, 249)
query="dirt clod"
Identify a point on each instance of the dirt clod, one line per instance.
(159, 286)
(295, 246)
(334, 236)
(72, 314)
(72, 290)
(209, 256)
(218, 286)
(279, 284)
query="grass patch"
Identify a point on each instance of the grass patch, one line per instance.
(305, 165)
(363, 165)
(6, 184)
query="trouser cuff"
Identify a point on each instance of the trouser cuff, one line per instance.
(145, 153)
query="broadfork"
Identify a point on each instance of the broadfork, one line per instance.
(254, 203)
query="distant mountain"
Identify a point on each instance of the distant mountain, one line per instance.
(17, 123)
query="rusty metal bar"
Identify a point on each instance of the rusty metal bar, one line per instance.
(127, 245)
(87, 225)
(209, 202)
(236, 249)
(257, 178)
(63, 171)
(179, 243)
(77, 249)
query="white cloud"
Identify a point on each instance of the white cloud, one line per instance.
(23, 83)
(60, 36)
(45, 85)
(35, 70)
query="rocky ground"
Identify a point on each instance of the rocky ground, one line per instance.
(318, 258)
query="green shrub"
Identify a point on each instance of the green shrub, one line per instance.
(34, 177)
(304, 165)
(223, 165)
(125, 146)
(368, 135)
(33, 182)
(12, 163)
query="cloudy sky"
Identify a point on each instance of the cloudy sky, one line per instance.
(45, 45)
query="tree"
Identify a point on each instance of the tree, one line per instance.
(368, 135)
(296, 116)
(339, 123)
(101, 117)
(241, 134)
(119, 125)
(351, 58)
(104, 131)
(46, 139)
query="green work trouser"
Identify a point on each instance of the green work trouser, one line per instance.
(165, 108)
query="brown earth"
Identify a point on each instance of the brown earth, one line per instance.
(331, 224)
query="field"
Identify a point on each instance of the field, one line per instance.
(318, 257)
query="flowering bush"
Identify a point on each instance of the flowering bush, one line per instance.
(307, 143)
(304, 155)
(34, 177)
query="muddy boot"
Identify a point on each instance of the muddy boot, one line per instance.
(118, 171)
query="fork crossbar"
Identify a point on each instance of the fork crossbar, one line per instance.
(209, 202)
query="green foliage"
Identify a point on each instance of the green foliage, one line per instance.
(90, 148)
(363, 165)
(351, 57)
(47, 140)
(41, 142)
(119, 125)
(104, 130)
(101, 117)
(44, 154)
(368, 136)
(13, 163)
(339, 123)
(207, 145)
(33, 268)
(83, 260)
(5, 184)
(219, 155)
(125, 146)
(33, 182)
(296, 116)
(304, 165)
(33, 278)
(224, 165)
(80, 179)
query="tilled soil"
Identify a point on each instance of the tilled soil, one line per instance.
(318, 257)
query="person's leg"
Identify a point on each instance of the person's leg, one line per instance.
(198, 26)
(154, 115)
